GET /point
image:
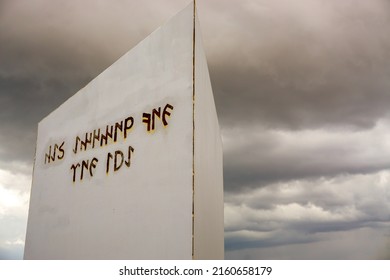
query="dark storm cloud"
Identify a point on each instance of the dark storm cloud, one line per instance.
(301, 211)
(259, 156)
(23, 103)
(306, 64)
(359, 244)
(71, 38)
(276, 239)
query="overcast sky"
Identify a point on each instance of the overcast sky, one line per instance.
(302, 91)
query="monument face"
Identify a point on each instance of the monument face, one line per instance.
(130, 167)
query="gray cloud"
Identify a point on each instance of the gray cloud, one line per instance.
(255, 156)
(331, 245)
(24, 102)
(305, 211)
(307, 64)
(14, 196)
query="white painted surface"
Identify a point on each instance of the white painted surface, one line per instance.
(209, 218)
(143, 211)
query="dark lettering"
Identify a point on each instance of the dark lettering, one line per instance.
(92, 167)
(96, 137)
(146, 118)
(155, 112)
(53, 155)
(47, 156)
(130, 151)
(109, 156)
(150, 119)
(61, 150)
(74, 167)
(128, 125)
(84, 164)
(104, 137)
(166, 113)
(116, 165)
(76, 144)
(118, 126)
(84, 144)
(119, 158)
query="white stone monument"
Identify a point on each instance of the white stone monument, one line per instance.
(130, 167)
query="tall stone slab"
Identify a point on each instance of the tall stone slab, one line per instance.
(208, 179)
(130, 167)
